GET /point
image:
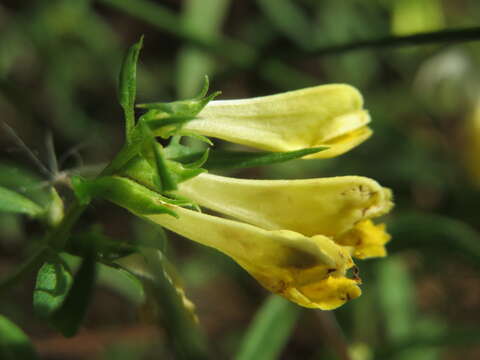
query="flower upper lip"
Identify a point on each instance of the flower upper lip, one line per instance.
(326, 115)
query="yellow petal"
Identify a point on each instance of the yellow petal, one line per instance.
(327, 206)
(367, 239)
(327, 115)
(305, 270)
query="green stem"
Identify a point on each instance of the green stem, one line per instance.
(129, 124)
(443, 36)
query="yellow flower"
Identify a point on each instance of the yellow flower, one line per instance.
(367, 240)
(309, 271)
(326, 115)
(328, 206)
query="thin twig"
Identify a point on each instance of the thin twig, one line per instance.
(52, 157)
(26, 149)
(443, 36)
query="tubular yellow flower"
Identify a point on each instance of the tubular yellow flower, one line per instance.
(326, 115)
(309, 271)
(328, 206)
(367, 240)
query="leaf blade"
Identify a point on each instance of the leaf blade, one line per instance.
(270, 330)
(14, 344)
(238, 159)
(69, 317)
(13, 202)
(127, 86)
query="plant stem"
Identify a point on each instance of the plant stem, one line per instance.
(452, 36)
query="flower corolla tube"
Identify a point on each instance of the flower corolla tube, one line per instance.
(322, 116)
(296, 237)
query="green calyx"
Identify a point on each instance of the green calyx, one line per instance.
(166, 118)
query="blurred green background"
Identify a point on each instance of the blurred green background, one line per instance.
(59, 61)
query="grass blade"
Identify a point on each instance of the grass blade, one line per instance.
(270, 330)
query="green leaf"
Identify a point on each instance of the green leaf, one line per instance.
(14, 344)
(182, 108)
(140, 134)
(240, 159)
(444, 234)
(127, 87)
(165, 179)
(125, 193)
(55, 210)
(13, 202)
(176, 150)
(113, 276)
(177, 319)
(270, 330)
(396, 294)
(106, 248)
(183, 173)
(200, 161)
(123, 282)
(54, 280)
(28, 183)
(69, 317)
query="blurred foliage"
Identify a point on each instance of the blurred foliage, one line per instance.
(59, 62)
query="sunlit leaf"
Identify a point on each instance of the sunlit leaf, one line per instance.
(14, 344)
(54, 280)
(69, 317)
(127, 87)
(13, 202)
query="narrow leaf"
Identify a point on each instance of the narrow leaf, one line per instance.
(69, 317)
(28, 183)
(239, 159)
(396, 296)
(13, 202)
(54, 280)
(14, 344)
(182, 173)
(166, 180)
(270, 330)
(177, 316)
(128, 86)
